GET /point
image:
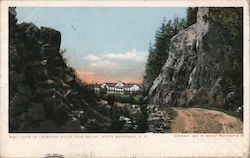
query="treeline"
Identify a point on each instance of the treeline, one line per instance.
(158, 52)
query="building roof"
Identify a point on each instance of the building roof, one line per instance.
(125, 85)
(110, 84)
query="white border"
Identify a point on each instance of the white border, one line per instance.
(144, 145)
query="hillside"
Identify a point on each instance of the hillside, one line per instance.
(197, 120)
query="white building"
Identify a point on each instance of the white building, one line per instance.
(118, 87)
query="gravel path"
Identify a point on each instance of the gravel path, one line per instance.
(197, 120)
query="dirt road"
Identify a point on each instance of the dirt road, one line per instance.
(197, 120)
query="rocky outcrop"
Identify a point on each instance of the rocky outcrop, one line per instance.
(159, 118)
(138, 118)
(44, 93)
(193, 71)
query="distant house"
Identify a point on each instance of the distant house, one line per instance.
(119, 87)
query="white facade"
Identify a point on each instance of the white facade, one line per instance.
(104, 85)
(96, 88)
(118, 87)
(135, 88)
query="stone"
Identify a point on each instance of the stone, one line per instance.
(12, 15)
(154, 118)
(83, 129)
(44, 62)
(16, 77)
(68, 78)
(64, 84)
(50, 36)
(73, 125)
(233, 99)
(14, 123)
(37, 112)
(126, 119)
(49, 126)
(50, 82)
(12, 11)
(38, 93)
(59, 113)
(18, 104)
(126, 127)
(24, 89)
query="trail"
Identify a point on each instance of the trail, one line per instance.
(197, 120)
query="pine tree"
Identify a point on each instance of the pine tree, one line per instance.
(158, 53)
(148, 78)
(191, 16)
(178, 24)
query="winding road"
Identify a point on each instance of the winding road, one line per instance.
(197, 120)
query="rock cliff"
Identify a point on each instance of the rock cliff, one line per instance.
(44, 93)
(193, 72)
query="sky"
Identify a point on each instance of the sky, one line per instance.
(103, 44)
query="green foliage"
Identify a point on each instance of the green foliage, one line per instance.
(117, 97)
(229, 21)
(142, 119)
(111, 99)
(138, 99)
(228, 25)
(191, 15)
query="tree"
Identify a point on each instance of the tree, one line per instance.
(149, 77)
(178, 24)
(111, 99)
(191, 16)
(158, 53)
(229, 23)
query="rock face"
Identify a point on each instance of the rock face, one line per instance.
(192, 73)
(44, 93)
(159, 118)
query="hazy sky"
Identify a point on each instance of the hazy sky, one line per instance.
(103, 44)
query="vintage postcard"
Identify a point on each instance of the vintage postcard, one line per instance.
(124, 79)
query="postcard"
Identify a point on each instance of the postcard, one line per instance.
(124, 79)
